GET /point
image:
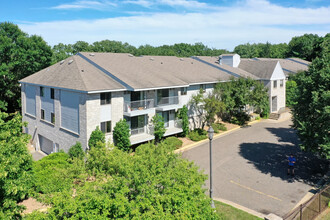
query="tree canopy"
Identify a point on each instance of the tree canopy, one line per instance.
(20, 55)
(15, 165)
(311, 109)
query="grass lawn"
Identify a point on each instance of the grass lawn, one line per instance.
(228, 212)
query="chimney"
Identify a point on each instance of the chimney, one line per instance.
(232, 60)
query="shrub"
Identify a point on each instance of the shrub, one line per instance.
(51, 173)
(197, 134)
(76, 151)
(183, 115)
(218, 126)
(240, 118)
(121, 135)
(173, 141)
(159, 127)
(96, 136)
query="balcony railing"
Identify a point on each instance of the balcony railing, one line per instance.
(172, 100)
(139, 105)
(178, 123)
(137, 131)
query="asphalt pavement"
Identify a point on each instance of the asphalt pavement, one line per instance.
(250, 167)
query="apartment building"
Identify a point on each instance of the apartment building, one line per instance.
(65, 102)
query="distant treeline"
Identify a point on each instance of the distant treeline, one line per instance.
(306, 47)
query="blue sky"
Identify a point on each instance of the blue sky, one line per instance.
(218, 24)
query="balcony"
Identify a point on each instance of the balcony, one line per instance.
(140, 107)
(140, 135)
(174, 128)
(168, 103)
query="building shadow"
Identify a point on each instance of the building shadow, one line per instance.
(272, 159)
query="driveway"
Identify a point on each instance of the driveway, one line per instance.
(250, 167)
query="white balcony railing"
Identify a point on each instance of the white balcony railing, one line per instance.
(139, 105)
(172, 100)
(137, 131)
(178, 123)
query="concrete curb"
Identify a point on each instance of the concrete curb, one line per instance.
(250, 211)
(196, 144)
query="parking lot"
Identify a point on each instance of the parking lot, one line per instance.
(250, 167)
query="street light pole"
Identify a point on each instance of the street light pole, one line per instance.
(211, 132)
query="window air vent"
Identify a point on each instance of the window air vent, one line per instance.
(91, 54)
(62, 61)
(181, 59)
(152, 59)
(70, 61)
(130, 55)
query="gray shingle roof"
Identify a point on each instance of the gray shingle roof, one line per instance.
(263, 69)
(76, 75)
(290, 65)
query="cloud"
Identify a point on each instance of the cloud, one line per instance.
(98, 5)
(252, 21)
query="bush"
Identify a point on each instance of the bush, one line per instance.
(240, 118)
(96, 136)
(159, 127)
(197, 134)
(121, 135)
(183, 115)
(51, 173)
(218, 126)
(175, 142)
(76, 151)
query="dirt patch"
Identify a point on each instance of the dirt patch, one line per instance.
(32, 204)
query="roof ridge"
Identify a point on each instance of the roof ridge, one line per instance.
(79, 72)
(106, 72)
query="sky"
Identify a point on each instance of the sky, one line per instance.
(221, 24)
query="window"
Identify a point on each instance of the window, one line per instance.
(105, 98)
(184, 91)
(41, 91)
(275, 83)
(281, 83)
(203, 87)
(52, 93)
(52, 117)
(42, 114)
(106, 127)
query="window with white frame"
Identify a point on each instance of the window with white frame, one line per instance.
(42, 114)
(203, 87)
(52, 93)
(41, 91)
(281, 82)
(275, 84)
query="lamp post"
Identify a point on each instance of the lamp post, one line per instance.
(210, 134)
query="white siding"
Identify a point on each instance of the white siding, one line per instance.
(70, 111)
(30, 101)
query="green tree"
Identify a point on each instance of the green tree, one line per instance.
(154, 183)
(196, 107)
(183, 115)
(311, 112)
(121, 135)
(96, 136)
(76, 151)
(159, 127)
(304, 46)
(20, 55)
(15, 165)
(212, 106)
(291, 92)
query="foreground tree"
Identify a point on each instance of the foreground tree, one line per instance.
(304, 46)
(154, 183)
(15, 165)
(20, 55)
(311, 112)
(121, 135)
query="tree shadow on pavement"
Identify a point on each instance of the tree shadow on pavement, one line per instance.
(271, 158)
